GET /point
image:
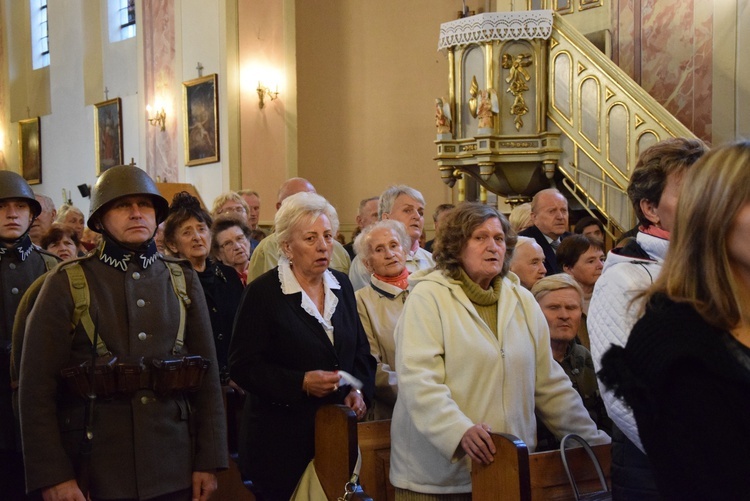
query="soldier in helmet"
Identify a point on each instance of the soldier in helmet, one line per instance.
(111, 400)
(20, 264)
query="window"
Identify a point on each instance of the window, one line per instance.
(121, 20)
(39, 34)
(127, 18)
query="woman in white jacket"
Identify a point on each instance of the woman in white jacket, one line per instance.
(473, 355)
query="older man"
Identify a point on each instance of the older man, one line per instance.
(549, 213)
(43, 221)
(156, 431)
(367, 214)
(404, 204)
(252, 199)
(528, 262)
(266, 255)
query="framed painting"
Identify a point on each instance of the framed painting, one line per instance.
(30, 150)
(201, 120)
(108, 134)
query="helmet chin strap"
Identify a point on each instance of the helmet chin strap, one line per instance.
(139, 248)
(11, 243)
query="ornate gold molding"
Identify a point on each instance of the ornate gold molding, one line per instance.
(517, 78)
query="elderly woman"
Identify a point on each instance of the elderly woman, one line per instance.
(381, 246)
(231, 244)
(72, 216)
(654, 191)
(685, 370)
(560, 298)
(297, 331)
(62, 241)
(472, 356)
(187, 235)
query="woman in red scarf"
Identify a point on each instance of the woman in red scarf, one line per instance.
(381, 246)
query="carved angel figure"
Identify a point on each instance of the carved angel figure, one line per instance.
(488, 104)
(442, 116)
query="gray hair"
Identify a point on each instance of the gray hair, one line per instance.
(362, 249)
(555, 283)
(520, 217)
(63, 212)
(46, 202)
(299, 206)
(389, 196)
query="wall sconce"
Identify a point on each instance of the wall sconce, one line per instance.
(265, 91)
(158, 119)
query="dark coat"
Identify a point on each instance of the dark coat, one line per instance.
(550, 260)
(223, 289)
(274, 343)
(687, 383)
(144, 445)
(16, 275)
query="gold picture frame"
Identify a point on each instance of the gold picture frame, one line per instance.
(108, 134)
(201, 120)
(30, 149)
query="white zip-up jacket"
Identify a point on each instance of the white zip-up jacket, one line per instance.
(612, 315)
(454, 372)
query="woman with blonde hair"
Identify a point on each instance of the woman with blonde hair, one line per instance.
(685, 370)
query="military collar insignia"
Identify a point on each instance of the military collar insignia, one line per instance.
(118, 257)
(23, 247)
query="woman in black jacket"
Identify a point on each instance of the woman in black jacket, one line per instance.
(685, 370)
(296, 335)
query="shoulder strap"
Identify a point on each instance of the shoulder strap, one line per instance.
(79, 289)
(180, 288)
(49, 261)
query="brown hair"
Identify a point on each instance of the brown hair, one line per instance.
(697, 269)
(655, 164)
(456, 231)
(573, 247)
(57, 232)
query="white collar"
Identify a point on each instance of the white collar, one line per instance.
(290, 285)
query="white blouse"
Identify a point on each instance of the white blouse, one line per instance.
(290, 285)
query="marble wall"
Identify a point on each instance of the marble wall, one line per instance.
(159, 74)
(666, 47)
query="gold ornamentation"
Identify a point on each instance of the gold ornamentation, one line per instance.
(517, 78)
(473, 91)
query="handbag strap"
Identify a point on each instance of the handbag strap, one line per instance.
(592, 456)
(352, 485)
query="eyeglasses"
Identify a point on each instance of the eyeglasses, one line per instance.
(229, 244)
(237, 208)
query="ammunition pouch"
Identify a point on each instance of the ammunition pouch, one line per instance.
(125, 376)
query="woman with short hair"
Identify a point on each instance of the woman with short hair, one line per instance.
(382, 249)
(62, 241)
(685, 370)
(472, 356)
(187, 235)
(296, 334)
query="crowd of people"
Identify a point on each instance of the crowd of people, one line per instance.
(130, 327)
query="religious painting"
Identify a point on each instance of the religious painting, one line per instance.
(201, 120)
(30, 150)
(108, 134)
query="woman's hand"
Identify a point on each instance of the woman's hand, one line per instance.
(478, 444)
(320, 383)
(356, 403)
(66, 491)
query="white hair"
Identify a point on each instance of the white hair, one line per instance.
(299, 206)
(360, 243)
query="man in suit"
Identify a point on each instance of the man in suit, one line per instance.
(549, 213)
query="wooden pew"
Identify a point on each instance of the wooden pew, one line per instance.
(375, 447)
(519, 475)
(336, 449)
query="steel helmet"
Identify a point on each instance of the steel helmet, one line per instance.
(123, 181)
(12, 185)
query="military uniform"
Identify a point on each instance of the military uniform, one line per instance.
(142, 445)
(20, 264)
